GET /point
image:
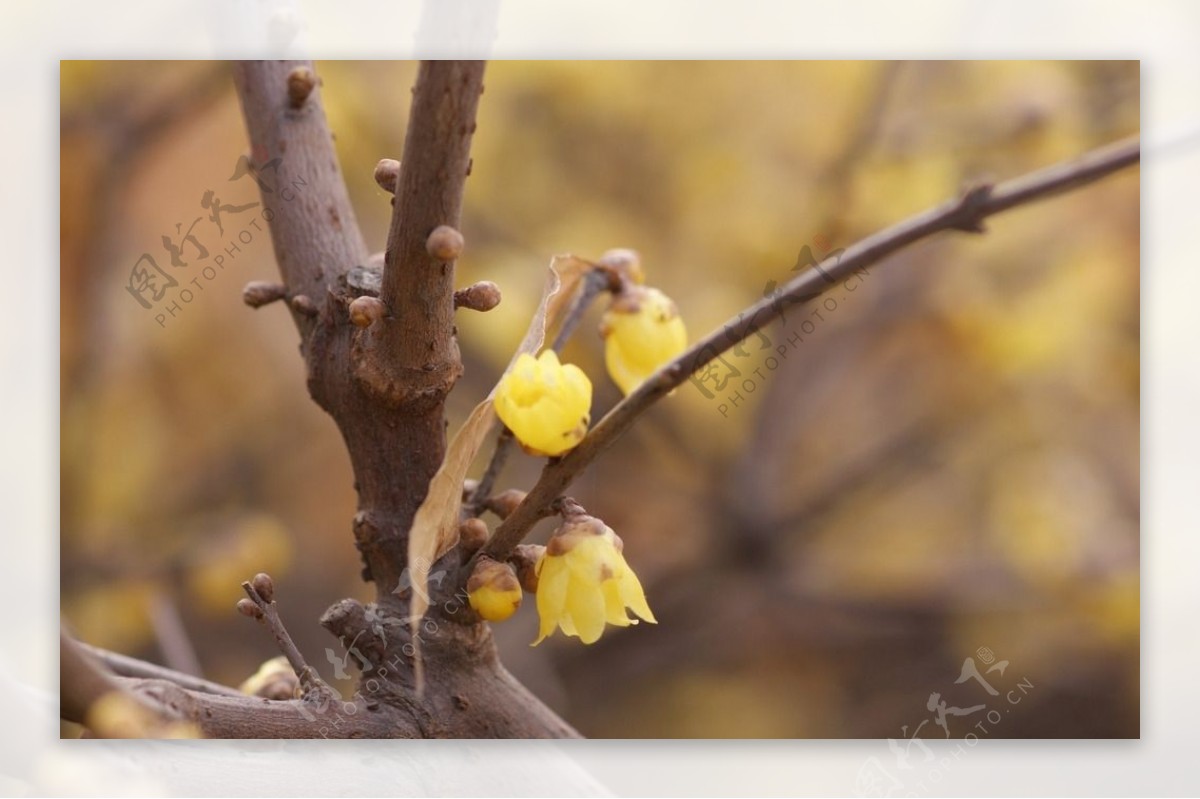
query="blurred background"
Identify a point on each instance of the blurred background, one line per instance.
(943, 468)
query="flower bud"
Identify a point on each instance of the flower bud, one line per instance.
(642, 332)
(365, 310)
(300, 83)
(472, 534)
(444, 243)
(504, 503)
(258, 293)
(247, 607)
(493, 590)
(265, 586)
(274, 679)
(585, 583)
(546, 404)
(481, 296)
(387, 174)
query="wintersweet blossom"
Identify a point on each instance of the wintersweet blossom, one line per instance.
(583, 582)
(493, 590)
(546, 404)
(642, 331)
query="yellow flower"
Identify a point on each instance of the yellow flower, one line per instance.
(584, 582)
(642, 331)
(544, 403)
(493, 590)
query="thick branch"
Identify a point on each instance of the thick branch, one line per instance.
(967, 213)
(81, 679)
(313, 228)
(413, 352)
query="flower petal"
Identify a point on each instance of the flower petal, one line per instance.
(585, 606)
(553, 579)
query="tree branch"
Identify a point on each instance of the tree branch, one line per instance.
(594, 284)
(313, 228)
(125, 666)
(966, 213)
(412, 354)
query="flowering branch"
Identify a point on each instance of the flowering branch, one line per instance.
(966, 213)
(594, 284)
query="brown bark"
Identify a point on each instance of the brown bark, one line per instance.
(385, 385)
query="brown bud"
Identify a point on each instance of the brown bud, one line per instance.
(264, 585)
(247, 608)
(364, 311)
(506, 502)
(387, 174)
(300, 83)
(472, 534)
(303, 305)
(444, 243)
(482, 296)
(525, 559)
(258, 293)
(625, 264)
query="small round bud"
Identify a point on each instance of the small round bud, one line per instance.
(247, 608)
(302, 304)
(525, 559)
(364, 311)
(258, 293)
(444, 243)
(387, 174)
(506, 502)
(472, 534)
(300, 83)
(493, 590)
(482, 296)
(265, 586)
(469, 486)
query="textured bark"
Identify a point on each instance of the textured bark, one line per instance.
(385, 387)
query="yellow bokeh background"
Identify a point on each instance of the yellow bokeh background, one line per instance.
(946, 461)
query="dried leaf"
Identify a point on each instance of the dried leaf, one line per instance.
(435, 526)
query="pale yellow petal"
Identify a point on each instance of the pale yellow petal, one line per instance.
(634, 597)
(553, 578)
(614, 605)
(585, 606)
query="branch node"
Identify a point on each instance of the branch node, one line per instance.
(365, 311)
(444, 243)
(504, 503)
(258, 293)
(309, 679)
(387, 174)
(972, 206)
(303, 305)
(300, 83)
(482, 296)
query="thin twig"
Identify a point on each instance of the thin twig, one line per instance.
(594, 284)
(309, 679)
(173, 640)
(125, 666)
(966, 213)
